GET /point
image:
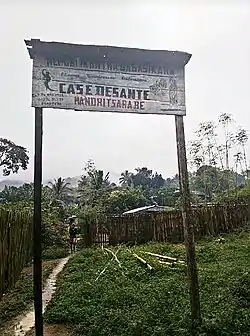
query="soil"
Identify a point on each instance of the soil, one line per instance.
(25, 322)
(53, 330)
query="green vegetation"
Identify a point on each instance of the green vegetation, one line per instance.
(12, 157)
(217, 158)
(131, 300)
(18, 299)
(219, 170)
(55, 252)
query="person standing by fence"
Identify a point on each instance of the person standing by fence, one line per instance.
(72, 234)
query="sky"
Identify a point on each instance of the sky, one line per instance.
(216, 33)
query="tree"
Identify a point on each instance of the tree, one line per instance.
(225, 120)
(157, 181)
(93, 185)
(121, 200)
(59, 188)
(196, 154)
(99, 180)
(207, 180)
(207, 135)
(142, 178)
(213, 181)
(238, 161)
(126, 179)
(166, 196)
(226, 156)
(241, 139)
(12, 157)
(13, 194)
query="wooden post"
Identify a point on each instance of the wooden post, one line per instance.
(37, 239)
(187, 223)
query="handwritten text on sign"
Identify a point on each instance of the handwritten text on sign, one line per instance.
(79, 85)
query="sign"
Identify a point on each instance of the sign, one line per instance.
(112, 79)
(103, 79)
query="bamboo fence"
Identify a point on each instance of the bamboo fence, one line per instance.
(16, 232)
(167, 226)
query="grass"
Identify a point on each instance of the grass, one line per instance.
(55, 252)
(132, 301)
(18, 299)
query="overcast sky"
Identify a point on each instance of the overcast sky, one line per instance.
(216, 33)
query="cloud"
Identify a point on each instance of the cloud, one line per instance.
(217, 78)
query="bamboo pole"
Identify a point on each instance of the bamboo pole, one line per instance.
(144, 262)
(169, 259)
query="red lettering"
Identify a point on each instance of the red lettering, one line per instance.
(141, 105)
(87, 101)
(129, 106)
(93, 101)
(79, 100)
(99, 101)
(136, 105)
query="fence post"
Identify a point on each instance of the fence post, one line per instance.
(87, 234)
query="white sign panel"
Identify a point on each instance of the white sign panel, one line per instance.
(78, 84)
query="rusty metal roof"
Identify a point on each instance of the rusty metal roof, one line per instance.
(109, 54)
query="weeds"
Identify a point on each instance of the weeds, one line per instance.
(131, 300)
(18, 299)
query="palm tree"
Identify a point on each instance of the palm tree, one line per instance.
(126, 179)
(144, 171)
(93, 186)
(98, 180)
(59, 188)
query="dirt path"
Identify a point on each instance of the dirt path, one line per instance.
(52, 330)
(25, 323)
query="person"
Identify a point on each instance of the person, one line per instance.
(72, 234)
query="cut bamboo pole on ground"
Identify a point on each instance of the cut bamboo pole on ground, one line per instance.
(167, 263)
(144, 262)
(169, 259)
(115, 256)
(110, 261)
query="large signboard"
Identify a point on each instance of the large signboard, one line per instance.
(107, 79)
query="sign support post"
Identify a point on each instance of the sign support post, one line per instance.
(110, 79)
(187, 223)
(37, 241)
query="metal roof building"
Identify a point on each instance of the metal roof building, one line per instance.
(148, 209)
